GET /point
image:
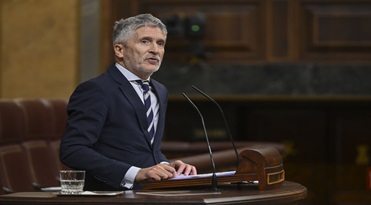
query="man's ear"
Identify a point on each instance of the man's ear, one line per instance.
(119, 50)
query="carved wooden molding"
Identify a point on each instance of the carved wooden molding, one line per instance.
(260, 31)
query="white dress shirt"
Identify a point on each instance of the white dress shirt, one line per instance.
(130, 175)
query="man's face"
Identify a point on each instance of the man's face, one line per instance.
(144, 51)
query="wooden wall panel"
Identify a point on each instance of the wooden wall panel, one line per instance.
(234, 29)
(277, 30)
(350, 147)
(336, 30)
(261, 31)
(351, 130)
(290, 125)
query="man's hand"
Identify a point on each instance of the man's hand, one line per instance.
(183, 168)
(156, 173)
(165, 171)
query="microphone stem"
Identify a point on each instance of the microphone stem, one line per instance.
(225, 121)
(214, 180)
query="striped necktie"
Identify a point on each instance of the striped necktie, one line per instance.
(149, 111)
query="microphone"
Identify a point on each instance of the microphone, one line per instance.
(214, 180)
(225, 121)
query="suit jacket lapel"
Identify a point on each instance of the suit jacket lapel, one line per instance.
(131, 95)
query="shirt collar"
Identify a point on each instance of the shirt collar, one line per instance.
(128, 74)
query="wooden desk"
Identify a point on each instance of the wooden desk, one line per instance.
(288, 193)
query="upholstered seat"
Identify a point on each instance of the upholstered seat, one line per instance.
(59, 110)
(15, 172)
(39, 126)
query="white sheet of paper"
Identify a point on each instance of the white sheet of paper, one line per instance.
(207, 175)
(178, 193)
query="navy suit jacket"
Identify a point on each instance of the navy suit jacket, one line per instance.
(106, 131)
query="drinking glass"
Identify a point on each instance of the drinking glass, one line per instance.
(72, 181)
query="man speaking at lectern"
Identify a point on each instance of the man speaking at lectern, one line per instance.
(116, 120)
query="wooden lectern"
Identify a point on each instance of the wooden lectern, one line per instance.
(262, 164)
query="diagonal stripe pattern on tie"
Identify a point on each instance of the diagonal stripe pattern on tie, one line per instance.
(149, 111)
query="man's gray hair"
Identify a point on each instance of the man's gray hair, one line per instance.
(125, 28)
